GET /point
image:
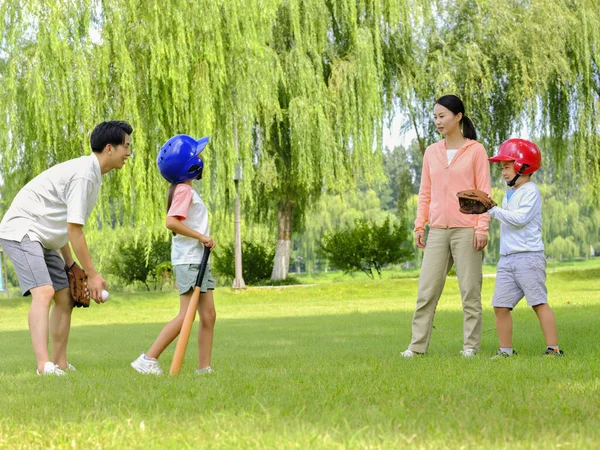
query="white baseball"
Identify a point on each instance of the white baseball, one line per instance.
(105, 295)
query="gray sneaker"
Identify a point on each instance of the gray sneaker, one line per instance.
(146, 365)
(51, 369)
(500, 354)
(409, 354)
(204, 370)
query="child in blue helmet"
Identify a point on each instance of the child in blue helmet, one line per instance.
(179, 162)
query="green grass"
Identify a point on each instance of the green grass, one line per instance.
(311, 367)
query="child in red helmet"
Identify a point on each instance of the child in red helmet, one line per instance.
(522, 267)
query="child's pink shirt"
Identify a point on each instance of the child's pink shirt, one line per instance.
(440, 181)
(182, 198)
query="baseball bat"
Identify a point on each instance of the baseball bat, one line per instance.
(188, 321)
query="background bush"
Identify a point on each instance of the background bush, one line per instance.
(257, 262)
(367, 246)
(148, 264)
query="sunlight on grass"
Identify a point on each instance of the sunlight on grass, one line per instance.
(310, 367)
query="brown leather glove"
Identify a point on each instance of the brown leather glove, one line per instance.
(474, 201)
(78, 285)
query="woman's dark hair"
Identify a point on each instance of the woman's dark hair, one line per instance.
(455, 104)
(112, 132)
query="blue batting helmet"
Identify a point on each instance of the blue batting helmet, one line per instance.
(178, 159)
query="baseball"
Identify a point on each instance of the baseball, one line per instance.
(104, 295)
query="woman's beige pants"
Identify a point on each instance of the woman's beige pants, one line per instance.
(445, 247)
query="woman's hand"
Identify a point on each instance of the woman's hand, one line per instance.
(480, 241)
(420, 238)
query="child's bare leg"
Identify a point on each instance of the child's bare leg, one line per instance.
(548, 323)
(170, 330)
(504, 326)
(60, 326)
(38, 323)
(208, 316)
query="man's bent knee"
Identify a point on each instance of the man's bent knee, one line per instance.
(42, 294)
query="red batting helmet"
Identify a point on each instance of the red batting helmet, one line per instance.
(525, 154)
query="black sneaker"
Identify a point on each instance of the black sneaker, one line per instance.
(552, 352)
(500, 354)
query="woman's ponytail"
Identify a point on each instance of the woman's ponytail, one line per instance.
(468, 129)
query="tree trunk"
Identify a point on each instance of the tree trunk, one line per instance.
(281, 264)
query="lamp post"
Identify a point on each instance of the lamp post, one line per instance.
(238, 282)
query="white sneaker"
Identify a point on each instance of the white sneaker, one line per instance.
(204, 370)
(71, 368)
(409, 354)
(146, 365)
(468, 353)
(51, 369)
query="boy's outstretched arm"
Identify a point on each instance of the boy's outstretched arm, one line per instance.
(528, 208)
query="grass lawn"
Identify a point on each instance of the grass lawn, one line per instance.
(311, 367)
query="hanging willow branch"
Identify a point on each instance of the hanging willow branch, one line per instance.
(303, 86)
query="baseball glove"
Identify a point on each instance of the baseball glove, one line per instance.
(78, 285)
(474, 201)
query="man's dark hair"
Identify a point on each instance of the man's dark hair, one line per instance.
(112, 132)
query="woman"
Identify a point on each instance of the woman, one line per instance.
(455, 163)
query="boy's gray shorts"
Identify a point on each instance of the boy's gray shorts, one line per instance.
(186, 274)
(521, 275)
(35, 265)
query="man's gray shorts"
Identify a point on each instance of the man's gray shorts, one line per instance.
(521, 275)
(186, 274)
(35, 265)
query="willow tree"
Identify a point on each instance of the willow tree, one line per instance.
(327, 131)
(45, 88)
(200, 68)
(514, 63)
(294, 91)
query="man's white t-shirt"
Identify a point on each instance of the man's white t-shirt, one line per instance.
(187, 206)
(65, 193)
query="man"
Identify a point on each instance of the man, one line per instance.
(46, 215)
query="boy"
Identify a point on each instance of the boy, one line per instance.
(46, 215)
(522, 266)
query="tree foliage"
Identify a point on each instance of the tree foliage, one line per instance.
(294, 90)
(512, 62)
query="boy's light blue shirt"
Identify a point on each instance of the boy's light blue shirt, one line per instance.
(520, 220)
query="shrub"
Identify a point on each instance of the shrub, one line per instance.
(288, 281)
(257, 262)
(367, 246)
(142, 262)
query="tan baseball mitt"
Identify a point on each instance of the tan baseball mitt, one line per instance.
(78, 286)
(474, 201)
